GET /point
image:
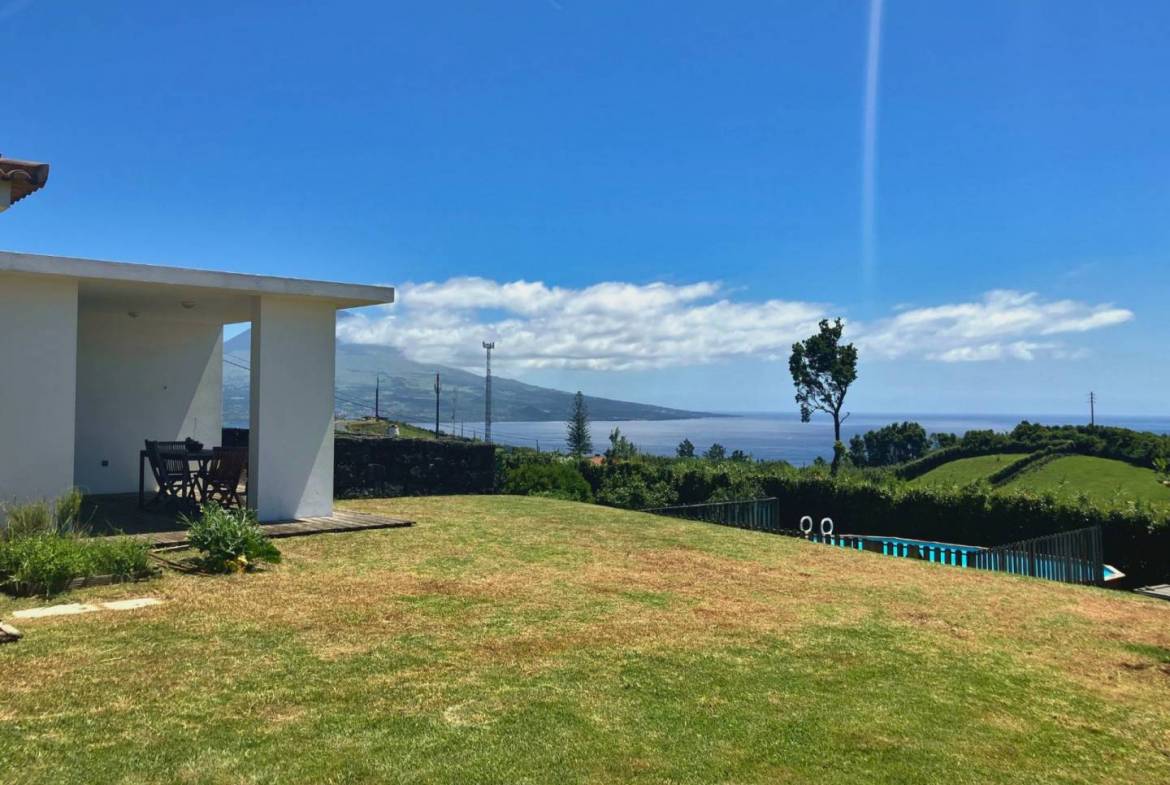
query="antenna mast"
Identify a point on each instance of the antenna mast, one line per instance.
(487, 394)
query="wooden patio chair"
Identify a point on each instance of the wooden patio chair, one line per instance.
(172, 474)
(221, 482)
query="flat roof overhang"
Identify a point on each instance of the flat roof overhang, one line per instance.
(197, 294)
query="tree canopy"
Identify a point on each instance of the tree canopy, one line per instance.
(822, 370)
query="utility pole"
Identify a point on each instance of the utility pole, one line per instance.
(437, 389)
(377, 398)
(454, 408)
(1093, 409)
(487, 394)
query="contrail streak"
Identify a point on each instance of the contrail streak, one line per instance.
(869, 140)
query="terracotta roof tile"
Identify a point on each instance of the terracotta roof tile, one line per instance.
(25, 176)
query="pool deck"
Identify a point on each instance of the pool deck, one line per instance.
(1159, 591)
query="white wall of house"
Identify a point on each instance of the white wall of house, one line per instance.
(137, 379)
(290, 472)
(38, 367)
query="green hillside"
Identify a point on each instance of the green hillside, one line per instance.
(966, 470)
(1106, 481)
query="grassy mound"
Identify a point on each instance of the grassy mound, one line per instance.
(1103, 480)
(506, 639)
(965, 470)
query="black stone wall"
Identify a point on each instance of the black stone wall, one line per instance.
(378, 466)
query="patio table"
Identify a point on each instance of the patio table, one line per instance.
(200, 457)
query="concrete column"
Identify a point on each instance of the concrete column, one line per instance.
(38, 386)
(290, 457)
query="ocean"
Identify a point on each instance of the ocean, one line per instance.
(770, 435)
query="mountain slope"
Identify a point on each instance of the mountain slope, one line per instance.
(408, 391)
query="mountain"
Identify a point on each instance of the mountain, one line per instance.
(408, 391)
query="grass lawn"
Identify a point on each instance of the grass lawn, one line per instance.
(1106, 481)
(382, 428)
(965, 470)
(517, 640)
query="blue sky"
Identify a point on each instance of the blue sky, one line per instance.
(680, 185)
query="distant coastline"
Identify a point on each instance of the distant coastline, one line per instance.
(771, 436)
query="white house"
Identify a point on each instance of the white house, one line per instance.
(96, 357)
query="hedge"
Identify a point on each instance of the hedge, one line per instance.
(1030, 461)
(937, 458)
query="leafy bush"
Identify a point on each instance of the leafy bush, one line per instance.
(555, 480)
(230, 540)
(46, 563)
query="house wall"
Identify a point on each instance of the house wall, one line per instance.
(138, 379)
(290, 450)
(38, 366)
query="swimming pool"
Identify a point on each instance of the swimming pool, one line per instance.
(948, 553)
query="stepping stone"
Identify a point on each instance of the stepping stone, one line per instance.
(71, 609)
(129, 605)
(8, 633)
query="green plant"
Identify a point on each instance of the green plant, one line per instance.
(555, 480)
(41, 564)
(46, 563)
(230, 540)
(122, 557)
(32, 519)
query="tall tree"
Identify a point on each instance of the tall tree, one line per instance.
(578, 439)
(716, 452)
(822, 370)
(685, 449)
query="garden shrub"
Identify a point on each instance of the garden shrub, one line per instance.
(46, 563)
(229, 540)
(555, 480)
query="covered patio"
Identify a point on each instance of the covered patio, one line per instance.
(99, 357)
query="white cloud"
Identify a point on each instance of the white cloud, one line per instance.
(1002, 325)
(608, 326)
(623, 326)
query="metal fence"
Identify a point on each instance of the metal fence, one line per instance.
(1071, 557)
(755, 514)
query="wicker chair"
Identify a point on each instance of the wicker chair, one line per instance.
(221, 482)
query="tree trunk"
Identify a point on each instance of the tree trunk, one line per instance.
(836, 465)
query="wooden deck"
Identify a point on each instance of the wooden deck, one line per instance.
(339, 521)
(120, 514)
